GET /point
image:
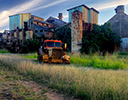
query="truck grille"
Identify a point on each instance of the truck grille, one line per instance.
(57, 53)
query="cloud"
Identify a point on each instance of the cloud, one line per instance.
(51, 4)
(4, 19)
(65, 16)
(26, 7)
(110, 4)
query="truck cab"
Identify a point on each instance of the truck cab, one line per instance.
(51, 51)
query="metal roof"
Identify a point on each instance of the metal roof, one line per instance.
(85, 7)
(19, 14)
(78, 6)
(42, 22)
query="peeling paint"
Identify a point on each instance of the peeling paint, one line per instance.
(76, 35)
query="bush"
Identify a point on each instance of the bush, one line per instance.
(4, 51)
(32, 45)
(64, 34)
(101, 39)
(123, 53)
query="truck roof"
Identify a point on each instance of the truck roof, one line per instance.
(53, 41)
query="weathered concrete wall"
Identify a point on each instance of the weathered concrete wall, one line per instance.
(119, 22)
(76, 34)
(124, 45)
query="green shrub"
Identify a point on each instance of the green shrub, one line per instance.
(123, 53)
(108, 62)
(4, 51)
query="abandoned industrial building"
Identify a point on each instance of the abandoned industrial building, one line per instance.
(31, 24)
(119, 24)
(57, 22)
(82, 19)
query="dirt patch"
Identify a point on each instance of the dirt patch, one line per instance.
(17, 87)
(51, 95)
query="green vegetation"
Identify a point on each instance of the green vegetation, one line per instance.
(115, 61)
(64, 34)
(83, 83)
(107, 62)
(30, 56)
(123, 53)
(32, 45)
(101, 39)
(3, 51)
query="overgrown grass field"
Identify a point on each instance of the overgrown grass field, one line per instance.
(81, 82)
(115, 61)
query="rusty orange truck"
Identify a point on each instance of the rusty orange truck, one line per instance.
(51, 51)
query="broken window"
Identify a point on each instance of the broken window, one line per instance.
(41, 30)
(36, 31)
(45, 25)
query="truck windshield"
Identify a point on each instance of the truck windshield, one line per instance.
(50, 44)
(53, 44)
(57, 44)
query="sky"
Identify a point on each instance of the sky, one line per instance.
(47, 8)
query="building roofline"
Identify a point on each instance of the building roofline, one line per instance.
(78, 6)
(36, 16)
(56, 19)
(19, 14)
(42, 21)
(95, 10)
(85, 7)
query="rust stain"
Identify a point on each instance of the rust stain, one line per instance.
(77, 27)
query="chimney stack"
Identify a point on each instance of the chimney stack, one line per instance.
(60, 16)
(120, 9)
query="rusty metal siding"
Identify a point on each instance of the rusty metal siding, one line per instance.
(20, 35)
(48, 34)
(80, 8)
(25, 18)
(85, 15)
(29, 35)
(94, 17)
(38, 18)
(90, 15)
(14, 22)
(18, 21)
(76, 34)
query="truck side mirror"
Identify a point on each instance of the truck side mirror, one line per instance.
(65, 46)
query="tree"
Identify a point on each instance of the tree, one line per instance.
(32, 45)
(102, 38)
(64, 34)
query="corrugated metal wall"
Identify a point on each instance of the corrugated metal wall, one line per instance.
(72, 10)
(18, 21)
(14, 22)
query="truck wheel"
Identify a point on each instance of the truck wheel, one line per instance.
(39, 58)
(49, 61)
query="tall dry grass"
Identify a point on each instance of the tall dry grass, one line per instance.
(83, 83)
